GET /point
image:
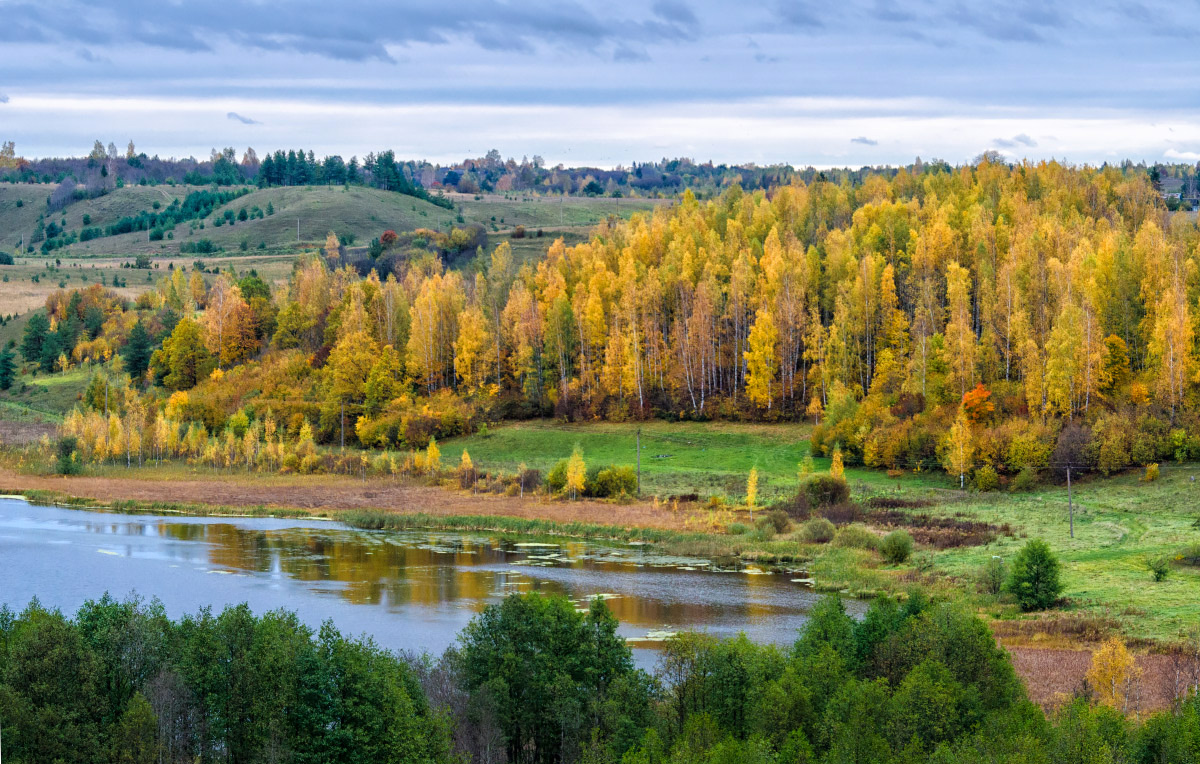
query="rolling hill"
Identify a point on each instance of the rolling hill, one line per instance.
(300, 215)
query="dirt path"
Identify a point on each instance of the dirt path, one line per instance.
(335, 492)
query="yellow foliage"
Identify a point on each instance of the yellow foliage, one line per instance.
(1114, 674)
(836, 468)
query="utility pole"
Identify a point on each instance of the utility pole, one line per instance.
(1070, 506)
(297, 230)
(639, 460)
(343, 425)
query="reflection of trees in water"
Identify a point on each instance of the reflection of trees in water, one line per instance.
(373, 570)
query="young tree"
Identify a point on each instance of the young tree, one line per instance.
(761, 360)
(1034, 577)
(960, 448)
(8, 368)
(752, 490)
(836, 468)
(1114, 673)
(433, 457)
(576, 474)
(137, 351)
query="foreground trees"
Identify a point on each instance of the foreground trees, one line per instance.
(534, 679)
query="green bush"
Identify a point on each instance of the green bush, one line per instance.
(1026, 480)
(825, 491)
(896, 547)
(1034, 578)
(818, 531)
(556, 480)
(737, 529)
(1159, 566)
(68, 455)
(856, 537)
(612, 481)
(986, 479)
(992, 576)
(778, 519)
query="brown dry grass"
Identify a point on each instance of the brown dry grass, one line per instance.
(1055, 675)
(330, 492)
(25, 433)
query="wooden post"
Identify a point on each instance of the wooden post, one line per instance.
(343, 425)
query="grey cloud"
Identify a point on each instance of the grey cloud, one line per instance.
(3, 98)
(233, 115)
(1017, 140)
(797, 13)
(629, 53)
(356, 30)
(675, 12)
(865, 141)
(763, 58)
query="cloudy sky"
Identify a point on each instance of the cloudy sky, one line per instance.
(825, 83)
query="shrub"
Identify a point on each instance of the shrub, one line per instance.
(825, 490)
(68, 455)
(986, 479)
(737, 529)
(1034, 578)
(818, 531)
(896, 547)
(992, 575)
(556, 479)
(1026, 480)
(764, 529)
(779, 520)
(1151, 473)
(613, 481)
(1159, 566)
(856, 537)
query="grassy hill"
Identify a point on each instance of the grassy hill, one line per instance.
(363, 213)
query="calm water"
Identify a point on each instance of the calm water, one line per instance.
(409, 590)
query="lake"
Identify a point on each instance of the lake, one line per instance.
(409, 590)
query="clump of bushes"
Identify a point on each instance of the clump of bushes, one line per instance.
(825, 491)
(1034, 579)
(986, 479)
(896, 547)
(856, 537)
(818, 531)
(1151, 473)
(601, 482)
(776, 519)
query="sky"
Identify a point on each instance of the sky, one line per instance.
(803, 82)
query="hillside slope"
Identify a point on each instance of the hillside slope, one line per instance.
(300, 214)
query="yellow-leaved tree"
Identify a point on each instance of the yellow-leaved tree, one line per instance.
(761, 360)
(1114, 676)
(837, 468)
(576, 473)
(433, 457)
(752, 490)
(959, 448)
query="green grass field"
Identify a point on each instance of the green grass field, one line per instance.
(704, 458)
(364, 213)
(1120, 521)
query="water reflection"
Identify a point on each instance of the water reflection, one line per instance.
(413, 589)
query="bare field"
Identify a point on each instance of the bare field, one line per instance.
(329, 492)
